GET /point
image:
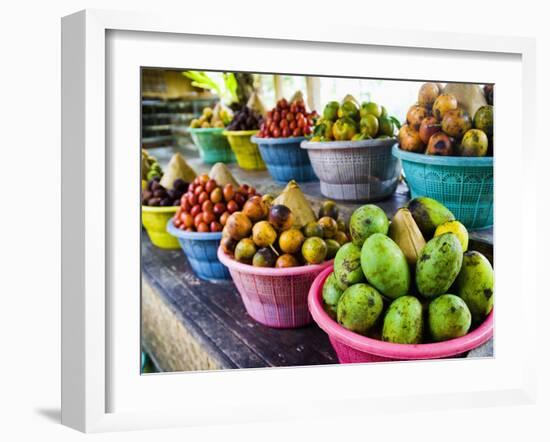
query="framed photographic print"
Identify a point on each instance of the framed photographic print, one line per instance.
(249, 216)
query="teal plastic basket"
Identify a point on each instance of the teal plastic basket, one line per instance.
(462, 184)
(212, 144)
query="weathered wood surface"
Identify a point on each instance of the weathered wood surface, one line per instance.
(214, 315)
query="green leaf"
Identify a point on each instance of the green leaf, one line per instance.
(396, 122)
(231, 85)
(203, 81)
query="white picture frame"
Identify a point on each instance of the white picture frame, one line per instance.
(89, 220)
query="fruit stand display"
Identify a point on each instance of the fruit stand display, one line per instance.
(246, 267)
(446, 148)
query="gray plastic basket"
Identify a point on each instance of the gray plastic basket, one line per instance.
(355, 170)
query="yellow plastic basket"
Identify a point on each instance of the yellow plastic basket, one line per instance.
(154, 220)
(247, 153)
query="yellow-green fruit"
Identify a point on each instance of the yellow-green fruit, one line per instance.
(386, 127)
(403, 323)
(344, 129)
(329, 208)
(443, 104)
(263, 234)
(369, 125)
(245, 250)
(329, 226)
(483, 119)
(457, 228)
(348, 109)
(332, 248)
(428, 214)
(474, 284)
(438, 265)
(291, 241)
(448, 318)
(330, 113)
(385, 266)
(312, 229)
(359, 308)
(474, 144)
(365, 221)
(347, 266)
(370, 108)
(341, 237)
(314, 250)
(331, 295)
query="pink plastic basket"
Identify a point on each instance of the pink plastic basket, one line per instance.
(274, 297)
(351, 347)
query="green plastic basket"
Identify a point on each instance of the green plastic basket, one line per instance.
(463, 184)
(212, 144)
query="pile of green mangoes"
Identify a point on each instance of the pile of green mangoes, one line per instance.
(351, 121)
(410, 281)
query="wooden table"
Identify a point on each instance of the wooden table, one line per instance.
(190, 324)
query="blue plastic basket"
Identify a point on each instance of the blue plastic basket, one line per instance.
(201, 250)
(285, 160)
(462, 184)
(212, 144)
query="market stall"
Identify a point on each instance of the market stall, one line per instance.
(202, 264)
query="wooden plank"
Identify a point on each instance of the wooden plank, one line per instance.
(195, 316)
(227, 318)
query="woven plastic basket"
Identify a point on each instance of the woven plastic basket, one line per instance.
(201, 252)
(355, 170)
(247, 153)
(212, 144)
(285, 160)
(351, 347)
(154, 220)
(463, 184)
(274, 297)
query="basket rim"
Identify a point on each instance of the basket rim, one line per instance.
(199, 236)
(240, 133)
(441, 160)
(329, 145)
(389, 349)
(280, 140)
(206, 129)
(231, 264)
(160, 209)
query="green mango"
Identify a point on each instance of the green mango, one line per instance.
(369, 125)
(370, 108)
(359, 308)
(474, 284)
(331, 295)
(438, 265)
(323, 128)
(483, 119)
(344, 129)
(428, 214)
(347, 266)
(385, 127)
(403, 323)
(448, 318)
(330, 112)
(348, 109)
(385, 266)
(365, 221)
